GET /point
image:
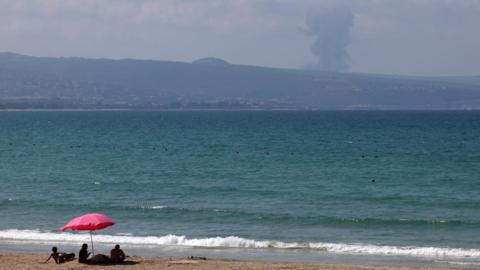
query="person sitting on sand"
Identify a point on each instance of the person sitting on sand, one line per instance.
(60, 257)
(83, 254)
(117, 255)
(54, 255)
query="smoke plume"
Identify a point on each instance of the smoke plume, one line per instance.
(331, 27)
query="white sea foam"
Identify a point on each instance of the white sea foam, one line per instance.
(152, 206)
(466, 263)
(238, 242)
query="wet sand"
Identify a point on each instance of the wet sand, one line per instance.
(24, 261)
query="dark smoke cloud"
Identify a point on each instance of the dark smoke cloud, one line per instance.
(331, 27)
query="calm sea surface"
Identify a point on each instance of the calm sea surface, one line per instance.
(361, 183)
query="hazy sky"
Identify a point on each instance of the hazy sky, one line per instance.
(416, 37)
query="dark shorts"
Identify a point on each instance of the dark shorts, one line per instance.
(64, 257)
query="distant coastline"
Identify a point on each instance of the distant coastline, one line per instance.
(28, 82)
(187, 109)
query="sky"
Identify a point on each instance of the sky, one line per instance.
(407, 37)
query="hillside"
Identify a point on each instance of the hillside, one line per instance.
(27, 81)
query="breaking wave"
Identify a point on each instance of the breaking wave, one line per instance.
(238, 242)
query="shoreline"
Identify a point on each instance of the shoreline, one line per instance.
(387, 256)
(260, 256)
(24, 261)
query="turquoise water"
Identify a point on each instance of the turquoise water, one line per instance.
(373, 183)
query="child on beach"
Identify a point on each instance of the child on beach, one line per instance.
(55, 255)
(60, 257)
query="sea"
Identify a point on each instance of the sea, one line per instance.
(374, 187)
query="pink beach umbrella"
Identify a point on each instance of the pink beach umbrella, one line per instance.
(89, 222)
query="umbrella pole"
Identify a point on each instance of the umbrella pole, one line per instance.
(91, 240)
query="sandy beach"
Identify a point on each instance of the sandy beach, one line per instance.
(24, 261)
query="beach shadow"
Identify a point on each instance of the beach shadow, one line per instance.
(128, 263)
(110, 264)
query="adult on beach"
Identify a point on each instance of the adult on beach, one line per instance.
(83, 254)
(117, 255)
(97, 259)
